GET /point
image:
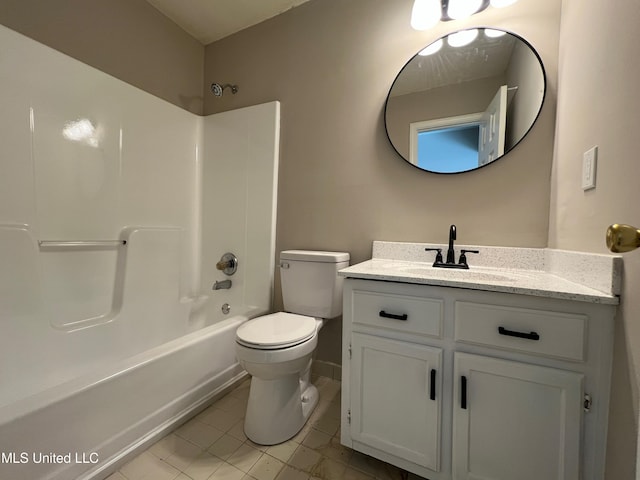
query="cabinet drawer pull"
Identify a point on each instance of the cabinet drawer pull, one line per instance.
(432, 386)
(384, 314)
(463, 392)
(511, 333)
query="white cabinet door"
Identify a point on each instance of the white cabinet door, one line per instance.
(515, 421)
(396, 391)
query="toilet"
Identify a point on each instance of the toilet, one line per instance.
(276, 349)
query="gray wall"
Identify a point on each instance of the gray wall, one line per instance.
(128, 39)
(598, 105)
(331, 64)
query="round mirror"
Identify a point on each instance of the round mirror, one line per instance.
(465, 100)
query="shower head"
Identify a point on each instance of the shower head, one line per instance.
(218, 89)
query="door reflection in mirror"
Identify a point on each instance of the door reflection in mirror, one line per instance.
(496, 84)
(455, 144)
(448, 149)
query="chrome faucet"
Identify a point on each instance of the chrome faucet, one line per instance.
(222, 285)
(451, 254)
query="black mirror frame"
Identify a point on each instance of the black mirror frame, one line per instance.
(544, 96)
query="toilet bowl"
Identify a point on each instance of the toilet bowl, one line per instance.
(276, 349)
(281, 397)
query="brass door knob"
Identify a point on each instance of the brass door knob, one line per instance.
(622, 238)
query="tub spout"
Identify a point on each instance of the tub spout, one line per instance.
(223, 285)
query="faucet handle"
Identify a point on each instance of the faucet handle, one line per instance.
(463, 256)
(228, 264)
(438, 255)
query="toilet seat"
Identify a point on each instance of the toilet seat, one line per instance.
(276, 331)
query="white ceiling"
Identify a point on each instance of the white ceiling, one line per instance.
(211, 20)
(484, 58)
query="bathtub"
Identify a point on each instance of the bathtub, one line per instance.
(87, 427)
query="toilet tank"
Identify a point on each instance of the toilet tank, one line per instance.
(310, 282)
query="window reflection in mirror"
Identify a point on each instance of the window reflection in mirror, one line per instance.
(493, 87)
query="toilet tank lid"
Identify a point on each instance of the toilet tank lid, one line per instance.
(314, 256)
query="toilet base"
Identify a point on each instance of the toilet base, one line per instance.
(278, 409)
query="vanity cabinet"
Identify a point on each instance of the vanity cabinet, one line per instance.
(453, 383)
(380, 404)
(514, 420)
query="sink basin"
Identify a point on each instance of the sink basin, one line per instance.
(476, 274)
(468, 275)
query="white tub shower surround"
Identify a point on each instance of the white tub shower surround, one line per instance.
(114, 208)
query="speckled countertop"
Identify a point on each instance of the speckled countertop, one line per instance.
(543, 272)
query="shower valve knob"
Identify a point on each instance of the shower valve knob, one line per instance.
(228, 264)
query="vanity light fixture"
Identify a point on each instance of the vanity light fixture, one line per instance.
(459, 9)
(427, 13)
(502, 3)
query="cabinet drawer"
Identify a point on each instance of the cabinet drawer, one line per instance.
(403, 313)
(539, 332)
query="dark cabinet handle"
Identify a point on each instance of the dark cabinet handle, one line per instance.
(384, 314)
(432, 386)
(511, 333)
(463, 392)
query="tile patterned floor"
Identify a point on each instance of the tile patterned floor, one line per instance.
(212, 446)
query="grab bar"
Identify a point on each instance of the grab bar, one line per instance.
(80, 243)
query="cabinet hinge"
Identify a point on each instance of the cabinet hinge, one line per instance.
(349, 416)
(587, 403)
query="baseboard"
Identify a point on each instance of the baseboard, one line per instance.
(326, 369)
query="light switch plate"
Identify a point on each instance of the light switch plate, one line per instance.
(589, 162)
